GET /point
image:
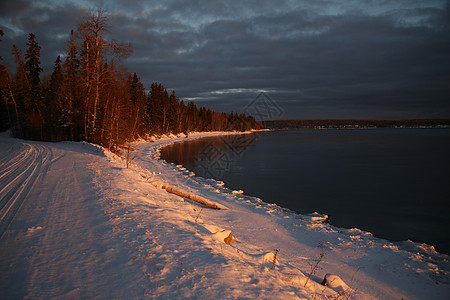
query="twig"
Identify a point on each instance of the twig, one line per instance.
(314, 266)
(274, 261)
(196, 218)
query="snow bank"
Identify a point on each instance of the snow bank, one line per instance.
(270, 227)
(131, 238)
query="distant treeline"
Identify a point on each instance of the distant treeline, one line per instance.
(342, 124)
(90, 97)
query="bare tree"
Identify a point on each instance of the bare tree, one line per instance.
(95, 53)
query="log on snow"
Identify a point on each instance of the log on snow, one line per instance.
(192, 197)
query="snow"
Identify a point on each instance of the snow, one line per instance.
(335, 282)
(76, 223)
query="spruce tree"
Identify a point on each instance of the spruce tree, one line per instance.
(5, 115)
(33, 70)
(34, 120)
(20, 95)
(72, 94)
(56, 112)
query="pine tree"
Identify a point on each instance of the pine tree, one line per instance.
(5, 114)
(1, 34)
(157, 108)
(33, 70)
(138, 99)
(72, 97)
(34, 120)
(56, 113)
(20, 91)
(173, 111)
(56, 85)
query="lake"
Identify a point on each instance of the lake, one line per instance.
(394, 183)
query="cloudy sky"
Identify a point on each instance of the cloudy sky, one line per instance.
(382, 59)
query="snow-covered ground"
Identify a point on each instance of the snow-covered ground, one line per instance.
(77, 224)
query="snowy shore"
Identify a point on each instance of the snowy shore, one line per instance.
(81, 225)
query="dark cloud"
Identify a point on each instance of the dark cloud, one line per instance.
(13, 8)
(317, 59)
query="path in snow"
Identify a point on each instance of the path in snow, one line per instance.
(20, 169)
(56, 241)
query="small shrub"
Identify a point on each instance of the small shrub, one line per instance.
(315, 265)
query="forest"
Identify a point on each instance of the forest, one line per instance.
(90, 96)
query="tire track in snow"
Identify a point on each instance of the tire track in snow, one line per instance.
(18, 176)
(13, 172)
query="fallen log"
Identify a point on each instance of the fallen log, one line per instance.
(182, 193)
(192, 197)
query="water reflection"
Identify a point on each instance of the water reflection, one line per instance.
(211, 156)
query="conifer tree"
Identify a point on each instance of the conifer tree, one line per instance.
(33, 70)
(56, 110)
(5, 115)
(72, 95)
(20, 95)
(138, 99)
(56, 88)
(34, 120)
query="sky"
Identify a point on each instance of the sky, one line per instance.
(303, 59)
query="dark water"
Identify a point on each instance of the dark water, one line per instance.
(394, 183)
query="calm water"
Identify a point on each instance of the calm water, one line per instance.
(394, 183)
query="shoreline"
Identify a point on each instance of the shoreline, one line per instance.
(163, 246)
(269, 226)
(319, 215)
